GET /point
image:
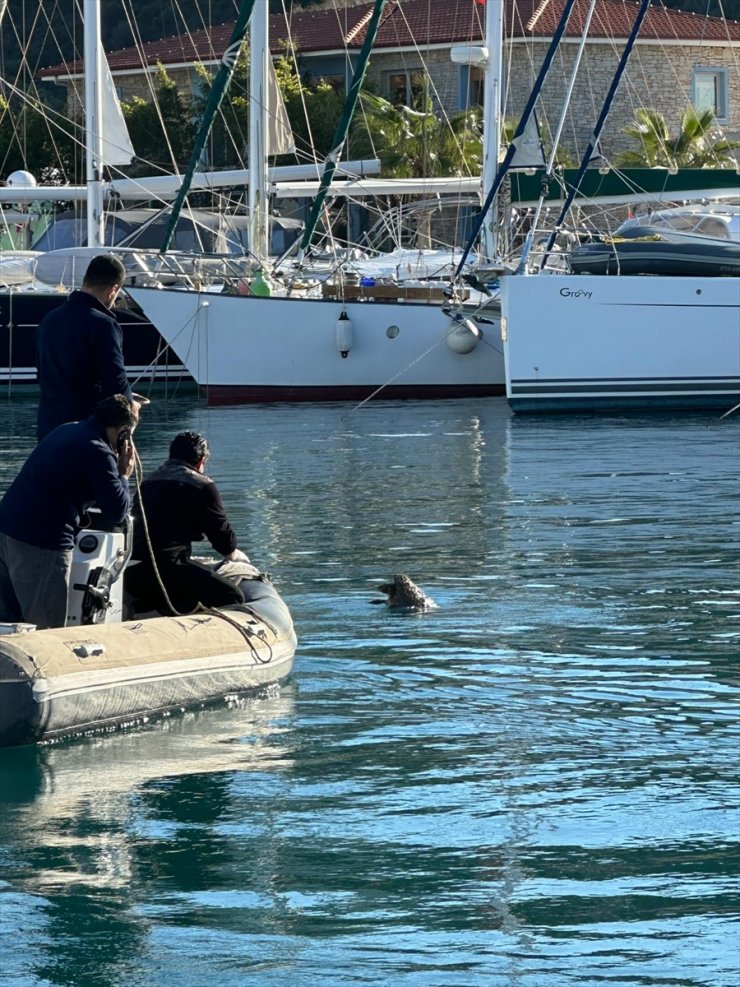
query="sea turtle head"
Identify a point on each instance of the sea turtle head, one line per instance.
(403, 592)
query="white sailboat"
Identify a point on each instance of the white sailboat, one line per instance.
(616, 343)
(314, 340)
(32, 283)
(656, 328)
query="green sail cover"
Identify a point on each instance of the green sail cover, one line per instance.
(628, 184)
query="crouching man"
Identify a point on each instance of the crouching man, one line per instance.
(180, 505)
(74, 467)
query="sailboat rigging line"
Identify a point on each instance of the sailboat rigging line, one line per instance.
(48, 113)
(215, 98)
(587, 154)
(340, 134)
(149, 80)
(429, 82)
(521, 126)
(549, 170)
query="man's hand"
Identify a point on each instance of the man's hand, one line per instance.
(126, 458)
(236, 556)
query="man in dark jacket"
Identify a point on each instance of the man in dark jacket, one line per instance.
(74, 467)
(181, 505)
(79, 349)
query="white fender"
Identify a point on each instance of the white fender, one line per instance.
(464, 335)
(344, 335)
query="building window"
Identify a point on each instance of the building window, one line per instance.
(709, 91)
(405, 88)
(476, 84)
(471, 87)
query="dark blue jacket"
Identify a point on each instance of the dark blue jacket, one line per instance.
(79, 360)
(68, 471)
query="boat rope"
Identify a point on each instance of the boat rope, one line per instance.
(246, 632)
(149, 372)
(402, 371)
(192, 322)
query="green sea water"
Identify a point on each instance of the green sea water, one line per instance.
(534, 785)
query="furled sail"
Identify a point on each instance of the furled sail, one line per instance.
(279, 134)
(117, 146)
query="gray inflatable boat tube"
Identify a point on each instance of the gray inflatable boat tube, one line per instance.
(64, 681)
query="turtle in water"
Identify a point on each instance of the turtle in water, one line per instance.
(402, 592)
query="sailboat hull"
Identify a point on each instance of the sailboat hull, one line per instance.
(248, 349)
(147, 358)
(603, 343)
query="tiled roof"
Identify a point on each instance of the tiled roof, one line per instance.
(418, 23)
(614, 19)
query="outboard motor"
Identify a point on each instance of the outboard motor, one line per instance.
(98, 560)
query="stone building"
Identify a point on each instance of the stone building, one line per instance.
(680, 59)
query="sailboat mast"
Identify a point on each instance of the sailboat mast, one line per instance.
(93, 124)
(502, 169)
(259, 52)
(494, 40)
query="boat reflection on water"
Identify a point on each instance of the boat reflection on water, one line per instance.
(74, 820)
(51, 794)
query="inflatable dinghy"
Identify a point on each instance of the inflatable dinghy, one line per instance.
(645, 250)
(101, 672)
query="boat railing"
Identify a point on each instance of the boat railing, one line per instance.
(181, 268)
(229, 274)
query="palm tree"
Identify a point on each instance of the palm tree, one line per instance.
(697, 144)
(416, 143)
